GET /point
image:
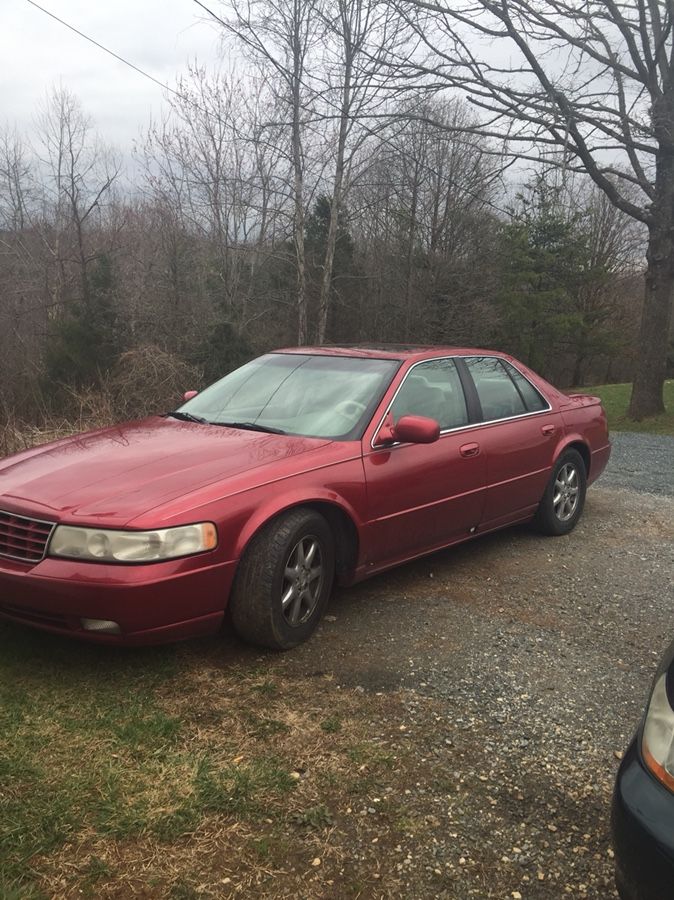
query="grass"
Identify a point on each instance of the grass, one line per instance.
(82, 746)
(331, 725)
(157, 767)
(316, 817)
(616, 398)
(88, 748)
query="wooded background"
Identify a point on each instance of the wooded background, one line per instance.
(309, 193)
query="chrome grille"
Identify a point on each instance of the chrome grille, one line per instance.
(23, 538)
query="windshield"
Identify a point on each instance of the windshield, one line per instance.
(314, 396)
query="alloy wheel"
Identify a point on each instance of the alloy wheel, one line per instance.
(302, 581)
(566, 492)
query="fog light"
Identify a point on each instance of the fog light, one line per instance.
(101, 625)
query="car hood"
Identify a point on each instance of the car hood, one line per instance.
(116, 474)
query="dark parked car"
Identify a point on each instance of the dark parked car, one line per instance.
(643, 801)
(298, 469)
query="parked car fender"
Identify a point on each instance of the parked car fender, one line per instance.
(283, 502)
(574, 441)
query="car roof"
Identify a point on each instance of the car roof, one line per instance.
(391, 351)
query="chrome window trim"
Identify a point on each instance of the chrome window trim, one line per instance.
(23, 559)
(472, 425)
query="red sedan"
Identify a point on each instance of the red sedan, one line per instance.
(302, 468)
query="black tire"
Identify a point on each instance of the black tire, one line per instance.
(621, 887)
(257, 607)
(561, 517)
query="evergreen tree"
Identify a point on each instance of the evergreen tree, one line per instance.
(343, 266)
(547, 275)
(221, 352)
(85, 342)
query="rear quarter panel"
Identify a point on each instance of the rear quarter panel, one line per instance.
(585, 421)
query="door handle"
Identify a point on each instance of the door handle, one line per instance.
(547, 429)
(469, 449)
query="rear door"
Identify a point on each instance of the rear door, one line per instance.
(518, 439)
(422, 496)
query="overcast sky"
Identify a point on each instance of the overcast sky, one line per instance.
(159, 36)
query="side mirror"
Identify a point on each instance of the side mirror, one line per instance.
(416, 430)
(189, 394)
(408, 430)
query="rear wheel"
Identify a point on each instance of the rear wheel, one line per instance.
(564, 497)
(284, 581)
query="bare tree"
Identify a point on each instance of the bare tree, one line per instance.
(279, 36)
(614, 240)
(583, 87)
(421, 212)
(79, 176)
(361, 36)
(15, 176)
(21, 271)
(217, 175)
(201, 258)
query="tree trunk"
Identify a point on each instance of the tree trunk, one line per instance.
(302, 326)
(335, 205)
(608, 378)
(84, 275)
(298, 173)
(328, 262)
(578, 371)
(649, 379)
(410, 252)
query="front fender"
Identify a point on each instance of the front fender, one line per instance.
(277, 505)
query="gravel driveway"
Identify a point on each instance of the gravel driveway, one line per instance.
(641, 462)
(520, 665)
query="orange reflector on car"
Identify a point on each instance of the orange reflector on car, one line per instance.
(656, 768)
(210, 536)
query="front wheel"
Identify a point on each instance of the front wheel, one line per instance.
(284, 581)
(564, 497)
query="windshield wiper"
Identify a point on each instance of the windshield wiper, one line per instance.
(247, 426)
(187, 417)
(251, 426)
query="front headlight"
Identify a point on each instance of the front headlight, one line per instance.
(100, 545)
(657, 745)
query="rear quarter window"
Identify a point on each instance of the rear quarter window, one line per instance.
(533, 400)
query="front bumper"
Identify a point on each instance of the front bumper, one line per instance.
(153, 603)
(643, 832)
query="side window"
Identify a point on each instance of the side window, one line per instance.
(433, 389)
(498, 395)
(533, 400)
